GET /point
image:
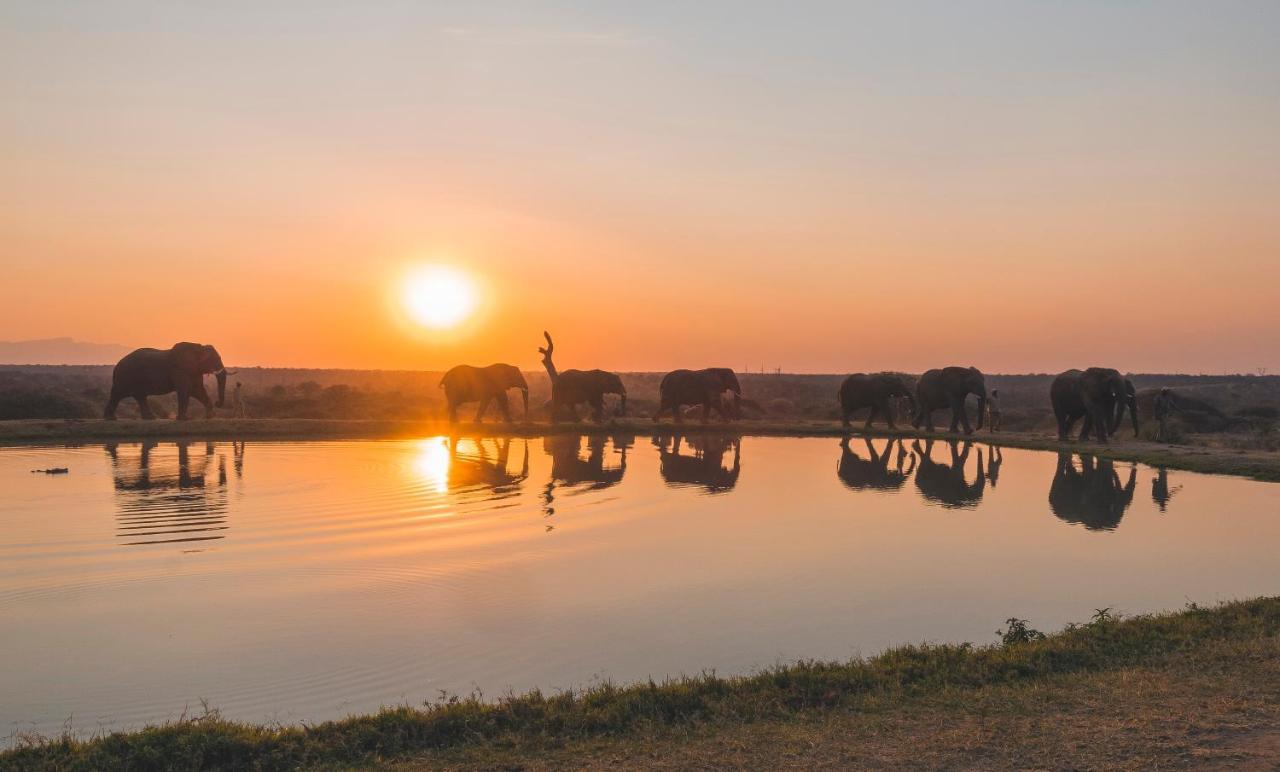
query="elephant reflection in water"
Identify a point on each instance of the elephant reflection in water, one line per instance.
(486, 466)
(570, 469)
(165, 497)
(1092, 495)
(946, 483)
(1160, 490)
(705, 466)
(874, 472)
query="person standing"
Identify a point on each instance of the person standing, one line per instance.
(1162, 409)
(993, 411)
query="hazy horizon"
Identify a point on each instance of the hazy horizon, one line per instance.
(823, 187)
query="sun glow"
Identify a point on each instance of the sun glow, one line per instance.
(432, 463)
(439, 297)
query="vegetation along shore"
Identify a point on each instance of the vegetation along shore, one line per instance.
(1176, 689)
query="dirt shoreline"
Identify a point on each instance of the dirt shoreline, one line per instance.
(1255, 464)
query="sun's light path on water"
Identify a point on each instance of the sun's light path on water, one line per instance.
(439, 297)
(432, 463)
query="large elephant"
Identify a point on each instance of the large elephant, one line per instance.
(874, 472)
(1099, 395)
(874, 391)
(466, 383)
(700, 387)
(1092, 495)
(946, 483)
(574, 387)
(149, 371)
(948, 387)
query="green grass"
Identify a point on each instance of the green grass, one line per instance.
(701, 703)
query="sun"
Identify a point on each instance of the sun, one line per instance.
(439, 297)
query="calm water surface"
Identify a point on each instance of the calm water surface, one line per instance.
(308, 580)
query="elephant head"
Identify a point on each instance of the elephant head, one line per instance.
(977, 384)
(195, 361)
(1126, 399)
(510, 377)
(613, 385)
(728, 381)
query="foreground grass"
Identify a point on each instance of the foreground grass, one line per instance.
(933, 683)
(1257, 464)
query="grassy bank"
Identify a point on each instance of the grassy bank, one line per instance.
(1256, 464)
(938, 683)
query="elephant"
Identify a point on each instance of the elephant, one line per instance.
(946, 483)
(1092, 495)
(948, 387)
(700, 387)
(574, 387)
(1099, 395)
(874, 391)
(466, 383)
(705, 467)
(873, 473)
(149, 371)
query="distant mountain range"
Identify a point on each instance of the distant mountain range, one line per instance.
(60, 351)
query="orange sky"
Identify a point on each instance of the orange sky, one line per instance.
(1019, 186)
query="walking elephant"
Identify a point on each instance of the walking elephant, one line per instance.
(872, 391)
(948, 387)
(1099, 395)
(466, 383)
(700, 387)
(574, 387)
(149, 371)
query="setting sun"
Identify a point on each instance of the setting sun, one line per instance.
(439, 297)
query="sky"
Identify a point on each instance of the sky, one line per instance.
(817, 187)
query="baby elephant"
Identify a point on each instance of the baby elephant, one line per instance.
(875, 391)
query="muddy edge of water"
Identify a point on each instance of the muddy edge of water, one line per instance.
(1259, 465)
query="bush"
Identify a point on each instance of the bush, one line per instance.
(44, 403)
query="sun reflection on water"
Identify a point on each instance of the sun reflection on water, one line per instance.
(431, 463)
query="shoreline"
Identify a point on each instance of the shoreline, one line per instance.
(1254, 464)
(1216, 668)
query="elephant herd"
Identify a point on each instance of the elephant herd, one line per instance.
(1097, 397)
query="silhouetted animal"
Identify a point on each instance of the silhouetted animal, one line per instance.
(948, 387)
(149, 371)
(1092, 495)
(466, 383)
(876, 391)
(574, 387)
(873, 472)
(945, 483)
(569, 467)
(706, 467)
(700, 387)
(1099, 395)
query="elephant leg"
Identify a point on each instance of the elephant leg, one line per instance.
(887, 412)
(112, 403)
(871, 416)
(960, 416)
(184, 400)
(484, 405)
(202, 397)
(845, 415)
(453, 412)
(706, 411)
(143, 408)
(505, 407)
(572, 409)
(597, 407)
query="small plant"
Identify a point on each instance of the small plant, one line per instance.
(1018, 631)
(1103, 616)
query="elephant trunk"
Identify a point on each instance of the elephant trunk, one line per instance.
(622, 403)
(1133, 412)
(221, 376)
(982, 407)
(524, 392)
